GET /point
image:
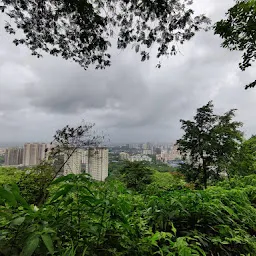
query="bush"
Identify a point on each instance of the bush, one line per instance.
(84, 217)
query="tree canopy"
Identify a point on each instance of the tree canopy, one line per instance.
(209, 144)
(136, 175)
(245, 162)
(84, 30)
(239, 33)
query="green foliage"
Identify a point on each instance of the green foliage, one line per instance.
(161, 167)
(136, 175)
(83, 30)
(165, 181)
(9, 175)
(84, 217)
(34, 183)
(238, 32)
(245, 162)
(209, 144)
(115, 167)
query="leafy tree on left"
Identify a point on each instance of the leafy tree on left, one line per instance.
(82, 31)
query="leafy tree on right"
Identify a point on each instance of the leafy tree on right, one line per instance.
(245, 162)
(209, 145)
(238, 32)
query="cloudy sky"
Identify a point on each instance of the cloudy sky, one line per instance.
(130, 101)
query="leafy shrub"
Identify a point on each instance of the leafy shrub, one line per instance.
(84, 217)
(165, 181)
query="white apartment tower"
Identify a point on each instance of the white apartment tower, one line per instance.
(95, 161)
(34, 153)
(13, 156)
(73, 162)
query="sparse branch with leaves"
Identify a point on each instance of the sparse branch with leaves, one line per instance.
(238, 32)
(83, 31)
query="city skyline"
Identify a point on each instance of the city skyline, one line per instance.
(92, 160)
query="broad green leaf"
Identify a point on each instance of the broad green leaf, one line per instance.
(62, 192)
(48, 243)
(18, 221)
(30, 247)
(63, 178)
(20, 199)
(8, 196)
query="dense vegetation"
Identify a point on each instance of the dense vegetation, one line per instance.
(166, 217)
(9, 174)
(138, 210)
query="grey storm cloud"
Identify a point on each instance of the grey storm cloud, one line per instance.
(131, 101)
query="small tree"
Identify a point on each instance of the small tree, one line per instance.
(209, 144)
(34, 183)
(136, 175)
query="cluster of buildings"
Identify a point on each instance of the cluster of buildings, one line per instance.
(29, 155)
(165, 155)
(169, 155)
(133, 158)
(91, 160)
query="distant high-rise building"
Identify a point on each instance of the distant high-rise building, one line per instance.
(95, 162)
(13, 156)
(73, 162)
(175, 153)
(34, 153)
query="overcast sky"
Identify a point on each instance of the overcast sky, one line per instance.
(130, 101)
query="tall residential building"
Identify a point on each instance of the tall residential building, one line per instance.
(73, 163)
(95, 162)
(175, 153)
(34, 153)
(13, 156)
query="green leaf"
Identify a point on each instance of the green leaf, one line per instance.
(62, 192)
(8, 196)
(174, 230)
(20, 199)
(18, 221)
(63, 178)
(48, 243)
(30, 247)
